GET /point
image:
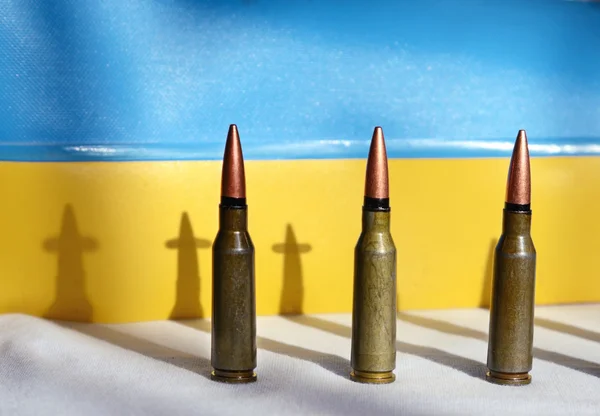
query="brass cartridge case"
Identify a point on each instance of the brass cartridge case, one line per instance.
(510, 346)
(233, 303)
(373, 356)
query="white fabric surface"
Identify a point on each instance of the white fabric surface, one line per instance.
(161, 368)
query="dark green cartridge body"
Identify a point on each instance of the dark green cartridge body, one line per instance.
(512, 305)
(234, 310)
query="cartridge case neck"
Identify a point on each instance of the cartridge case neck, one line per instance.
(233, 218)
(375, 220)
(516, 222)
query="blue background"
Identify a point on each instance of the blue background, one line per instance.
(163, 79)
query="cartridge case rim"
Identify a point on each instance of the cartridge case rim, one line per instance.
(233, 376)
(508, 379)
(368, 377)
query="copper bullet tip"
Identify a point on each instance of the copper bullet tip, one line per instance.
(376, 184)
(518, 186)
(233, 178)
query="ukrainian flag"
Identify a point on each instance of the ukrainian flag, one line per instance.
(114, 116)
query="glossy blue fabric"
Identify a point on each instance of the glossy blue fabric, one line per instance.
(163, 79)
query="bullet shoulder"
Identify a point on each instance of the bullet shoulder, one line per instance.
(232, 239)
(376, 241)
(515, 244)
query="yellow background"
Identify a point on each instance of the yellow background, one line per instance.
(130, 241)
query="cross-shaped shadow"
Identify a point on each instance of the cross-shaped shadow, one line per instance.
(71, 301)
(292, 292)
(187, 300)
